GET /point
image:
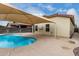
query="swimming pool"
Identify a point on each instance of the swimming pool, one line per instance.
(13, 41)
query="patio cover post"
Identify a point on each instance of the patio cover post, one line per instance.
(7, 24)
(8, 28)
(32, 28)
(19, 28)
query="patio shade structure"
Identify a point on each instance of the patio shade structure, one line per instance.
(13, 14)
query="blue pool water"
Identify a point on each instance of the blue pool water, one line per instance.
(12, 41)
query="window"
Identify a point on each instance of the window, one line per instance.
(47, 28)
(36, 28)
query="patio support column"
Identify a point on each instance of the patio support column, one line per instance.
(19, 28)
(7, 28)
(33, 28)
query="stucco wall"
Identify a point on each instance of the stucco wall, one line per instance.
(71, 28)
(63, 26)
(41, 29)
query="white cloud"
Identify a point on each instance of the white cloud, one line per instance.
(73, 11)
(50, 8)
(34, 11)
(61, 10)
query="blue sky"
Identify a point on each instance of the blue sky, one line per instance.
(41, 9)
(46, 8)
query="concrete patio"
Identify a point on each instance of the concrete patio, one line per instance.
(45, 46)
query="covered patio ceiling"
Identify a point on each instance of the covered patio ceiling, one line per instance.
(12, 14)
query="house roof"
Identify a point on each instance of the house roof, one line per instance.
(13, 14)
(62, 15)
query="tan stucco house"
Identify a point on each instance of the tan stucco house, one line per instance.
(62, 26)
